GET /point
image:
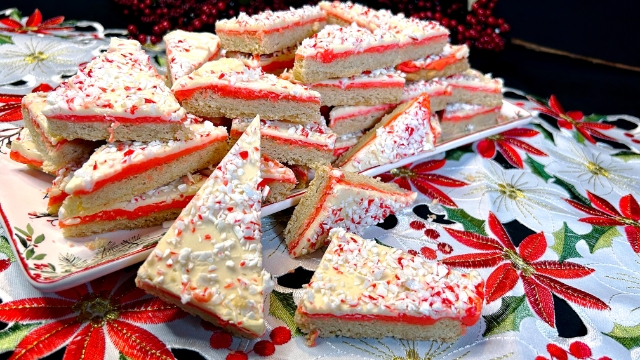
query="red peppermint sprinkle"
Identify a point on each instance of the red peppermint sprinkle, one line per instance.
(244, 154)
(129, 152)
(149, 101)
(95, 165)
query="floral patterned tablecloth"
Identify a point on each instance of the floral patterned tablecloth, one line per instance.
(547, 213)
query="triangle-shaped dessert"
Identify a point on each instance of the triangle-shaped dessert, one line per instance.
(210, 260)
(117, 96)
(338, 198)
(406, 131)
(364, 289)
(187, 51)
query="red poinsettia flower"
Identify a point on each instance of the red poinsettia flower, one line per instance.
(421, 177)
(34, 24)
(604, 214)
(539, 277)
(573, 119)
(506, 144)
(10, 108)
(89, 316)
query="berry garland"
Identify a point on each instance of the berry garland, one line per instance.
(153, 18)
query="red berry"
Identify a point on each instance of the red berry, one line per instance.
(142, 38)
(264, 348)
(437, 16)
(197, 24)
(556, 352)
(461, 28)
(132, 29)
(280, 335)
(157, 30)
(428, 253)
(445, 22)
(445, 248)
(155, 39)
(505, 28)
(221, 5)
(147, 11)
(220, 340)
(500, 21)
(416, 225)
(453, 23)
(237, 355)
(580, 350)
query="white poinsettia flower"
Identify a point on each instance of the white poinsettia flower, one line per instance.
(589, 168)
(45, 58)
(514, 194)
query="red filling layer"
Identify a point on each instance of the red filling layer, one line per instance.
(475, 88)
(329, 55)
(278, 65)
(57, 199)
(362, 85)
(439, 65)
(262, 32)
(382, 109)
(235, 133)
(135, 169)
(17, 157)
(454, 117)
(110, 118)
(243, 93)
(425, 41)
(117, 214)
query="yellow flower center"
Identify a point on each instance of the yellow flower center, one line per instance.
(97, 310)
(597, 170)
(510, 191)
(36, 57)
(518, 262)
(402, 172)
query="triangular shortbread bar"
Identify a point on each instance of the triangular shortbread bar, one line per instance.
(187, 51)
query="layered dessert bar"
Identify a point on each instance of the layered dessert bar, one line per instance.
(278, 178)
(458, 120)
(338, 198)
(187, 51)
(473, 87)
(210, 260)
(417, 38)
(304, 175)
(119, 171)
(348, 119)
(228, 88)
(269, 31)
(345, 142)
(337, 52)
(148, 209)
(346, 13)
(289, 143)
(274, 63)
(382, 86)
(117, 96)
(56, 193)
(24, 150)
(406, 131)
(452, 60)
(56, 152)
(365, 290)
(437, 89)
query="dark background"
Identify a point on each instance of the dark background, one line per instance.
(607, 30)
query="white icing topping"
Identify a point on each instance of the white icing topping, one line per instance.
(121, 82)
(433, 87)
(268, 20)
(475, 79)
(25, 146)
(187, 51)
(336, 39)
(257, 61)
(360, 277)
(466, 110)
(274, 170)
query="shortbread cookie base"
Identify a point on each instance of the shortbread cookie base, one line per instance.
(358, 123)
(169, 130)
(446, 330)
(335, 96)
(334, 20)
(418, 51)
(459, 95)
(309, 70)
(208, 104)
(456, 129)
(126, 189)
(278, 191)
(292, 154)
(268, 43)
(449, 70)
(99, 227)
(194, 310)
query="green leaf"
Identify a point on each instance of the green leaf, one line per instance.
(39, 239)
(52, 267)
(11, 336)
(39, 257)
(283, 307)
(5, 39)
(380, 242)
(161, 60)
(574, 194)
(546, 133)
(467, 221)
(457, 153)
(30, 229)
(627, 336)
(627, 156)
(123, 357)
(579, 138)
(22, 231)
(23, 241)
(594, 118)
(29, 253)
(15, 14)
(566, 239)
(537, 168)
(5, 248)
(512, 311)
